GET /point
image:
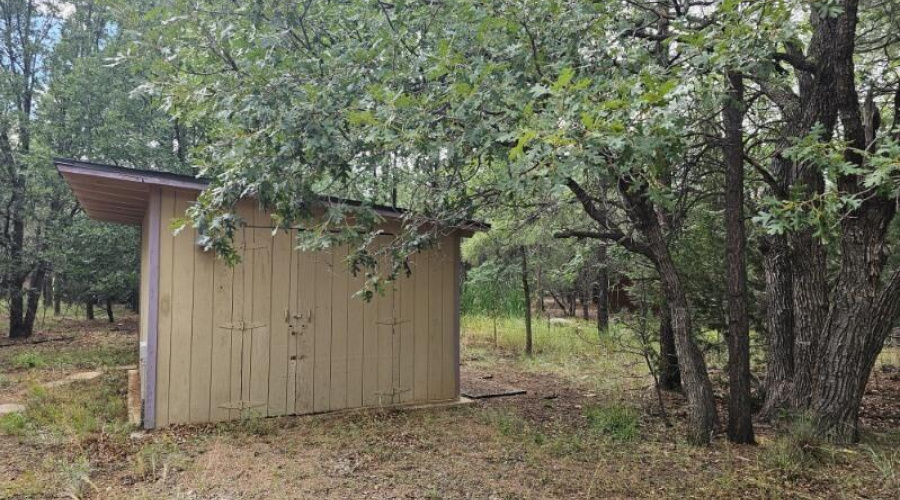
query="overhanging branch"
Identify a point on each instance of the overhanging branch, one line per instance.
(797, 60)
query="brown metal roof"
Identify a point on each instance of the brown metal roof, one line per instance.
(121, 194)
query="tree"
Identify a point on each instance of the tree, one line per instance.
(829, 133)
(98, 274)
(60, 96)
(419, 102)
(608, 107)
(740, 423)
(26, 27)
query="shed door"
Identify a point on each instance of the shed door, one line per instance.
(343, 352)
(306, 322)
(249, 327)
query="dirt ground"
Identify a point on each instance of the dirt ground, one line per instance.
(563, 439)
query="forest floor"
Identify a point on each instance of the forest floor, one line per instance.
(590, 426)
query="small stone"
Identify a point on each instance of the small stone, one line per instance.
(137, 436)
(11, 408)
(72, 378)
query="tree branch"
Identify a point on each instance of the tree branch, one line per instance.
(766, 175)
(627, 242)
(611, 232)
(797, 60)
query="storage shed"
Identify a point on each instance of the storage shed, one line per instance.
(279, 333)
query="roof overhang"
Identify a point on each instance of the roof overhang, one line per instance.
(120, 194)
(117, 194)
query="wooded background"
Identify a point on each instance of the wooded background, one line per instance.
(732, 164)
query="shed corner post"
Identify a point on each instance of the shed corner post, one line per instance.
(457, 290)
(155, 214)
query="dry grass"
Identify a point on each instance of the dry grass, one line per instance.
(588, 428)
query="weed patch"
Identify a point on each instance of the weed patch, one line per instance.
(796, 449)
(13, 424)
(96, 357)
(75, 476)
(155, 460)
(887, 462)
(28, 361)
(617, 422)
(72, 413)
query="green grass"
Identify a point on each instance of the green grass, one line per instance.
(570, 336)
(92, 357)
(609, 364)
(73, 412)
(618, 422)
(28, 360)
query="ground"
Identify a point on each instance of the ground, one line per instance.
(590, 426)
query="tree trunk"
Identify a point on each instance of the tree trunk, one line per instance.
(779, 326)
(33, 293)
(810, 293)
(559, 303)
(702, 415)
(48, 291)
(109, 311)
(89, 309)
(601, 291)
(529, 344)
(18, 327)
(57, 295)
(669, 376)
(740, 423)
(858, 323)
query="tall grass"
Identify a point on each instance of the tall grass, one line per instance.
(570, 348)
(551, 337)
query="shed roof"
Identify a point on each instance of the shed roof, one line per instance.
(121, 194)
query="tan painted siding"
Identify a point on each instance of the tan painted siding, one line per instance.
(281, 333)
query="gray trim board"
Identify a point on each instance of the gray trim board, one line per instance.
(153, 313)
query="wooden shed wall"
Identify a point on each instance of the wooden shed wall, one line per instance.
(280, 333)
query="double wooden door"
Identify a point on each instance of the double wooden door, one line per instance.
(300, 342)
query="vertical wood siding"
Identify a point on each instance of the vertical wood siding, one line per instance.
(281, 333)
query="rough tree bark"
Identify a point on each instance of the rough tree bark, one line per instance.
(669, 376)
(702, 414)
(740, 423)
(109, 311)
(33, 293)
(89, 310)
(779, 326)
(835, 347)
(809, 274)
